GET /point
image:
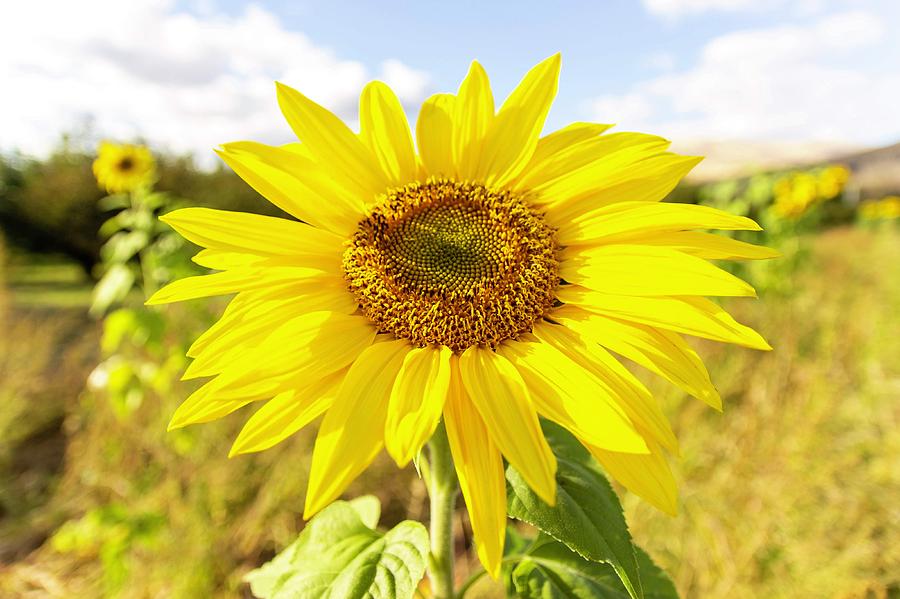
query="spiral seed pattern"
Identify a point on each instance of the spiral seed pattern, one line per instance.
(452, 263)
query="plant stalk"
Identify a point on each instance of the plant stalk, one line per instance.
(442, 490)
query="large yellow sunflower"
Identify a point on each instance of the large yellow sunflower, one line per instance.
(485, 275)
(122, 168)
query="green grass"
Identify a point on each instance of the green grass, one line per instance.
(48, 284)
(790, 493)
(47, 273)
(52, 295)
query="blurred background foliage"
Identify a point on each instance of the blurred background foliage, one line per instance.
(790, 493)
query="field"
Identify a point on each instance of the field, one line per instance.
(792, 492)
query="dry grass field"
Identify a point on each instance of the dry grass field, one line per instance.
(792, 492)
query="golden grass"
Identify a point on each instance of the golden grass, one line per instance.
(792, 492)
(795, 490)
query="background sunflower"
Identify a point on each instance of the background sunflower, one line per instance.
(124, 167)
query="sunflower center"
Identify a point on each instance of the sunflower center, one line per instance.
(126, 164)
(453, 264)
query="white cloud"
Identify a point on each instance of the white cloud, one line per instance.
(181, 81)
(677, 8)
(783, 83)
(660, 61)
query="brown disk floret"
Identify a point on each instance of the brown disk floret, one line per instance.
(452, 263)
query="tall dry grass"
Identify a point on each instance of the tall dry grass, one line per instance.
(792, 492)
(45, 356)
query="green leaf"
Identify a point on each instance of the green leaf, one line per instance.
(369, 509)
(516, 544)
(587, 516)
(122, 246)
(141, 327)
(655, 582)
(339, 556)
(113, 202)
(551, 571)
(117, 222)
(112, 287)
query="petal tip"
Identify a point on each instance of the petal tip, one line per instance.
(154, 300)
(549, 499)
(238, 448)
(400, 456)
(311, 508)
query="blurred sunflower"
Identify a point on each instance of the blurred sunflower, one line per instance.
(121, 168)
(794, 194)
(484, 278)
(886, 208)
(832, 180)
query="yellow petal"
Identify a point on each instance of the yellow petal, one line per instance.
(498, 392)
(221, 283)
(231, 281)
(285, 414)
(648, 180)
(710, 246)
(513, 135)
(648, 476)
(311, 295)
(232, 315)
(332, 144)
(352, 432)
(562, 139)
(232, 344)
(566, 393)
(251, 233)
(202, 406)
(696, 316)
(325, 262)
(295, 184)
(226, 260)
(312, 346)
(625, 220)
(618, 383)
(385, 131)
(417, 400)
(624, 269)
(434, 135)
(657, 350)
(479, 467)
(474, 113)
(598, 160)
(263, 317)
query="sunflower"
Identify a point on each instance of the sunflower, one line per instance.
(485, 275)
(121, 168)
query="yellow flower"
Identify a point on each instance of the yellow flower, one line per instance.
(123, 167)
(832, 180)
(794, 194)
(889, 207)
(484, 276)
(886, 208)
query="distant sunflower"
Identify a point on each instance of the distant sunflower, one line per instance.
(122, 168)
(483, 279)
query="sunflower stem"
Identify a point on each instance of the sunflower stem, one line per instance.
(442, 494)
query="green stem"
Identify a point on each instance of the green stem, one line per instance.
(148, 284)
(442, 494)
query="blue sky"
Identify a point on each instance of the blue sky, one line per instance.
(607, 46)
(189, 74)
